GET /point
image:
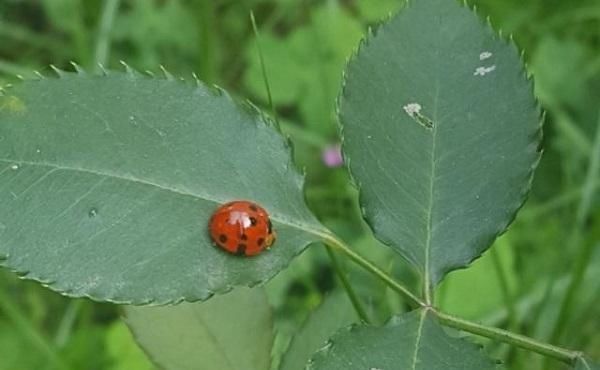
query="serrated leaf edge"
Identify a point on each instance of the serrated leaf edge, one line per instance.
(255, 115)
(372, 32)
(391, 323)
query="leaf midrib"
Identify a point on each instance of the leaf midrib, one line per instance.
(415, 358)
(216, 342)
(427, 280)
(300, 226)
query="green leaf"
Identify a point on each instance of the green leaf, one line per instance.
(412, 341)
(123, 351)
(107, 184)
(144, 24)
(441, 132)
(16, 351)
(481, 280)
(305, 68)
(584, 364)
(335, 312)
(229, 332)
(375, 10)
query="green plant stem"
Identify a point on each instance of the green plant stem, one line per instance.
(207, 60)
(362, 313)
(583, 258)
(558, 202)
(505, 289)
(79, 33)
(509, 302)
(335, 243)
(264, 68)
(505, 336)
(570, 130)
(65, 327)
(29, 330)
(102, 50)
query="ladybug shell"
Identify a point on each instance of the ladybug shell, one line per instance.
(242, 228)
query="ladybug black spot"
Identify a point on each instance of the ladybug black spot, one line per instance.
(244, 237)
(241, 249)
(260, 242)
(223, 238)
(253, 221)
(253, 208)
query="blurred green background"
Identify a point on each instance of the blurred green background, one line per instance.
(519, 284)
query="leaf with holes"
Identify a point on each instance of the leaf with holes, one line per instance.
(107, 184)
(229, 332)
(412, 341)
(441, 131)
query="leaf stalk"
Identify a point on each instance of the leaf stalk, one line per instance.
(505, 336)
(548, 350)
(358, 307)
(335, 243)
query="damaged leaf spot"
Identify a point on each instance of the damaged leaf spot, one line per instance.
(482, 71)
(485, 55)
(412, 108)
(414, 111)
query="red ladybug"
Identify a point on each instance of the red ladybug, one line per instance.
(242, 228)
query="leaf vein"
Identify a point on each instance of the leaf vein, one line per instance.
(82, 197)
(40, 179)
(217, 344)
(415, 358)
(275, 217)
(429, 212)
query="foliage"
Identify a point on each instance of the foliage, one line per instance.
(335, 312)
(412, 341)
(140, 163)
(229, 332)
(527, 273)
(420, 121)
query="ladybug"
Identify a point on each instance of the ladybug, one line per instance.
(242, 228)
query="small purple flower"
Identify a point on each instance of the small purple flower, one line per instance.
(332, 156)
